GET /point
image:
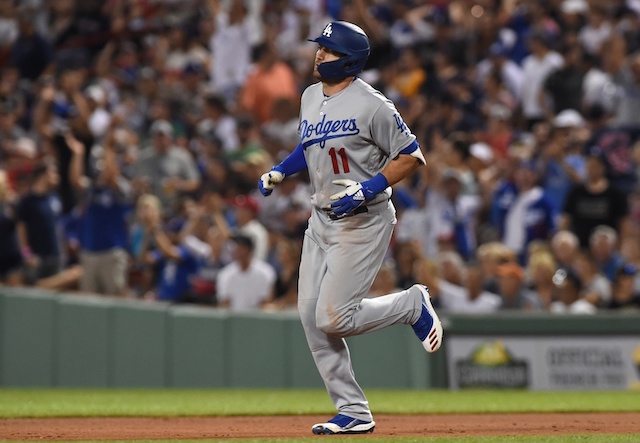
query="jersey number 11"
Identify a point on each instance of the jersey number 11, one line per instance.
(342, 153)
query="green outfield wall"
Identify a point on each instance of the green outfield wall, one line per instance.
(66, 340)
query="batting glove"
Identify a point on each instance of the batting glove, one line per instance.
(347, 200)
(269, 180)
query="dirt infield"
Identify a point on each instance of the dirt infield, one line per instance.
(299, 426)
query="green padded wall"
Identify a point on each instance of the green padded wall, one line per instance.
(197, 347)
(138, 344)
(27, 324)
(82, 341)
(258, 347)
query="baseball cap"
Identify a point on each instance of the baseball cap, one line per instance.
(161, 127)
(574, 7)
(246, 201)
(627, 270)
(569, 118)
(481, 151)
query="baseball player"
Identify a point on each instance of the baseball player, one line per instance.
(355, 146)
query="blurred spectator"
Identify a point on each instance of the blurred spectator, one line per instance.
(596, 288)
(513, 291)
(385, 281)
(219, 123)
(270, 80)
(596, 31)
(624, 294)
(247, 224)
(595, 202)
(541, 266)
(490, 257)
(286, 285)
(565, 247)
(456, 225)
(565, 84)
(603, 242)
(164, 169)
(568, 300)
(536, 68)
(531, 215)
(473, 299)
(39, 213)
(176, 262)
(104, 203)
(246, 283)
(10, 255)
(31, 53)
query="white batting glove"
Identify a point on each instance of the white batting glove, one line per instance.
(269, 180)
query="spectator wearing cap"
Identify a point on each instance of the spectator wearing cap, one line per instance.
(536, 68)
(603, 243)
(530, 216)
(511, 279)
(456, 222)
(625, 295)
(164, 169)
(568, 287)
(247, 283)
(247, 224)
(594, 202)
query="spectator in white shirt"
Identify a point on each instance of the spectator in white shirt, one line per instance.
(536, 68)
(246, 283)
(568, 286)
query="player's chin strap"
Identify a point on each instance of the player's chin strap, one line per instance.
(355, 194)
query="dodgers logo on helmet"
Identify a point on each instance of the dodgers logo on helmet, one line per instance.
(350, 41)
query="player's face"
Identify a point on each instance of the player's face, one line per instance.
(324, 54)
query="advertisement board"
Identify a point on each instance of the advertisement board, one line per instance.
(544, 363)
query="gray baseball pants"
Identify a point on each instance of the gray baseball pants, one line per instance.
(340, 259)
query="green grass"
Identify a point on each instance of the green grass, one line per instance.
(16, 403)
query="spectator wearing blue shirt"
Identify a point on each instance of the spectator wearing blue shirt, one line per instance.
(531, 215)
(39, 213)
(176, 264)
(105, 203)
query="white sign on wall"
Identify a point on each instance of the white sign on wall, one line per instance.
(544, 363)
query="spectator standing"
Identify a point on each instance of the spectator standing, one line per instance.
(246, 283)
(105, 203)
(39, 213)
(595, 202)
(536, 68)
(164, 169)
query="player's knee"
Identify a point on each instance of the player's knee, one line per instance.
(334, 324)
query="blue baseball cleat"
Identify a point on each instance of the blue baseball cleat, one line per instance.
(428, 327)
(341, 424)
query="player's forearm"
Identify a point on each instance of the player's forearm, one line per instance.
(295, 162)
(400, 168)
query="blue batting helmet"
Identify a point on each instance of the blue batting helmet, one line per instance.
(348, 39)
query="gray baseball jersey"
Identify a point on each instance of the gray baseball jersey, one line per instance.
(352, 134)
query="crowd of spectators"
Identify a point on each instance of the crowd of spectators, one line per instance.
(133, 134)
